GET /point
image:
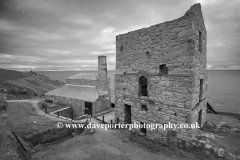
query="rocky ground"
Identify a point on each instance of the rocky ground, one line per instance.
(224, 134)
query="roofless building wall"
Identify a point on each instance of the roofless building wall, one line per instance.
(161, 75)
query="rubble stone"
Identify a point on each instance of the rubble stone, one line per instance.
(220, 152)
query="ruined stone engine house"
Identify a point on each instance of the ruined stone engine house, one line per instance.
(161, 75)
(86, 93)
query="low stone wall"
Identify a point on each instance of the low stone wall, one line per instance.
(65, 113)
(194, 145)
(48, 136)
(51, 135)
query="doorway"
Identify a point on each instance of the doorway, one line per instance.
(143, 129)
(88, 108)
(128, 114)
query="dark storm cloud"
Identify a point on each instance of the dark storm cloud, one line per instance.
(68, 35)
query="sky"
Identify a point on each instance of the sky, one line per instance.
(43, 35)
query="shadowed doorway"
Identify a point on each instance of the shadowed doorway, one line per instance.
(88, 108)
(128, 114)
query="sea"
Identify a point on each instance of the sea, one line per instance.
(223, 87)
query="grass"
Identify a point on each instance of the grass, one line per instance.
(25, 120)
(14, 82)
(9, 74)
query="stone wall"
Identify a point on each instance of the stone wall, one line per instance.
(170, 100)
(81, 82)
(103, 81)
(102, 104)
(79, 106)
(172, 58)
(51, 98)
(199, 37)
(174, 43)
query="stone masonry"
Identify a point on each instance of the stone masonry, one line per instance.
(86, 93)
(161, 75)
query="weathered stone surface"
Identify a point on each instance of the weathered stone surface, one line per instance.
(163, 67)
(221, 152)
(222, 124)
(208, 146)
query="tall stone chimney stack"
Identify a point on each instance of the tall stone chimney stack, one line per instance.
(102, 73)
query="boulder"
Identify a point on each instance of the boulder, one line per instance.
(222, 124)
(221, 152)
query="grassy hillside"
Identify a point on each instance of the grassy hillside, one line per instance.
(9, 74)
(20, 85)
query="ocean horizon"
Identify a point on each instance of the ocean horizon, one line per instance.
(223, 86)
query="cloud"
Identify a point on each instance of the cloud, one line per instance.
(208, 2)
(69, 35)
(5, 25)
(108, 30)
(223, 30)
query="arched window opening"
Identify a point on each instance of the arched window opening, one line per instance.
(143, 84)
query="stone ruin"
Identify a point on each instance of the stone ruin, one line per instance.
(86, 93)
(161, 75)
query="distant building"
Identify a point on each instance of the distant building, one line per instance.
(87, 93)
(161, 75)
